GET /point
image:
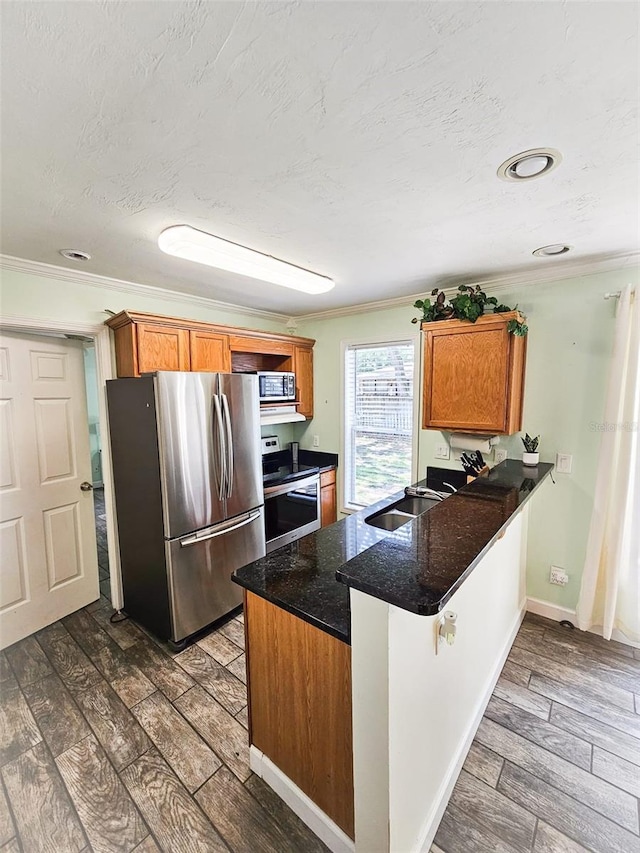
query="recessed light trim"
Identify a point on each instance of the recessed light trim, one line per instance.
(188, 243)
(552, 251)
(530, 164)
(75, 255)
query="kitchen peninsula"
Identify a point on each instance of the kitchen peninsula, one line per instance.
(360, 715)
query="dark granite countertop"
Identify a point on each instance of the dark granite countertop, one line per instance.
(417, 567)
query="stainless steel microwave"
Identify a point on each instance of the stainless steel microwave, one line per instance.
(276, 385)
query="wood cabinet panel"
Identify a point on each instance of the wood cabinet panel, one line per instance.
(299, 681)
(303, 368)
(328, 498)
(148, 342)
(210, 352)
(162, 348)
(473, 375)
(244, 343)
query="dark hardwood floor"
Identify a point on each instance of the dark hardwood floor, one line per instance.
(101, 542)
(109, 742)
(555, 764)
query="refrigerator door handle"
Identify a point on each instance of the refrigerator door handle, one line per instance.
(229, 445)
(220, 530)
(220, 451)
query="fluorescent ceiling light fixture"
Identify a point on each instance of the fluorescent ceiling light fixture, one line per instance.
(193, 245)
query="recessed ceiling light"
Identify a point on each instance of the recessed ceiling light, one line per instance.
(530, 164)
(75, 255)
(552, 251)
(193, 245)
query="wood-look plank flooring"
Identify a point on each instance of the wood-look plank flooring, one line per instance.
(127, 746)
(110, 742)
(555, 763)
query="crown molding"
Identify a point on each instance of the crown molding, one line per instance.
(8, 262)
(528, 277)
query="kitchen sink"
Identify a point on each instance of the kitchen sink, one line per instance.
(399, 513)
(414, 506)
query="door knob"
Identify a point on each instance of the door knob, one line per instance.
(86, 487)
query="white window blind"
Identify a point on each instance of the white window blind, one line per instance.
(378, 432)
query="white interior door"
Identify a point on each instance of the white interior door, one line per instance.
(47, 527)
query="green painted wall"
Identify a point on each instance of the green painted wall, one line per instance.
(93, 411)
(33, 296)
(568, 355)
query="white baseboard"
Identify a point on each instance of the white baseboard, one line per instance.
(442, 798)
(551, 611)
(317, 821)
(557, 613)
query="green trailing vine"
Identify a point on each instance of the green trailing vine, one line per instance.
(468, 304)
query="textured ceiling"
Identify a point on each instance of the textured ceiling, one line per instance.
(357, 139)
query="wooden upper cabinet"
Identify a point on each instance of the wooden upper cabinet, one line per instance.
(162, 348)
(473, 375)
(210, 352)
(147, 342)
(263, 345)
(303, 368)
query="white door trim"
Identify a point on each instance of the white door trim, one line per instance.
(105, 370)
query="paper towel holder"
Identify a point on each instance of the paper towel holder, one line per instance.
(463, 442)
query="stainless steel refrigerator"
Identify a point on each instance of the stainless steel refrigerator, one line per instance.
(188, 486)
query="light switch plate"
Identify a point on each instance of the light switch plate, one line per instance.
(564, 463)
(442, 451)
(316, 441)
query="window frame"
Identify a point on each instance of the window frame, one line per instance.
(377, 340)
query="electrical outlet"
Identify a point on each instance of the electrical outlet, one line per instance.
(316, 441)
(499, 454)
(564, 463)
(442, 451)
(558, 576)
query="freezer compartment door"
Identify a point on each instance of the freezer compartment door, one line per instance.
(241, 416)
(200, 569)
(191, 441)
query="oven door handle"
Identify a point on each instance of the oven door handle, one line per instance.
(291, 486)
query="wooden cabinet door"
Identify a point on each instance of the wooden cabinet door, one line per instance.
(162, 348)
(473, 376)
(328, 498)
(263, 346)
(210, 352)
(303, 367)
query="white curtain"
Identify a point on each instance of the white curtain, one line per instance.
(610, 592)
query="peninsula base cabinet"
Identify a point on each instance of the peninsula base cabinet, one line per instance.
(148, 342)
(473, 375)
(299, 686)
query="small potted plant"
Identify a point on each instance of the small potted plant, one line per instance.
(531, 455)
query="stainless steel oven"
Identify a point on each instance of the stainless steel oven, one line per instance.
(291, 510)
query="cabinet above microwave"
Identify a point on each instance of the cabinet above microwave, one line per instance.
(148, 342)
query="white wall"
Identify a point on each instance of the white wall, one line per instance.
(414, 711)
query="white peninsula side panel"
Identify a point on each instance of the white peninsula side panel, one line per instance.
(415, 712)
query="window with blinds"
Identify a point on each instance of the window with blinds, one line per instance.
(378, 423)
